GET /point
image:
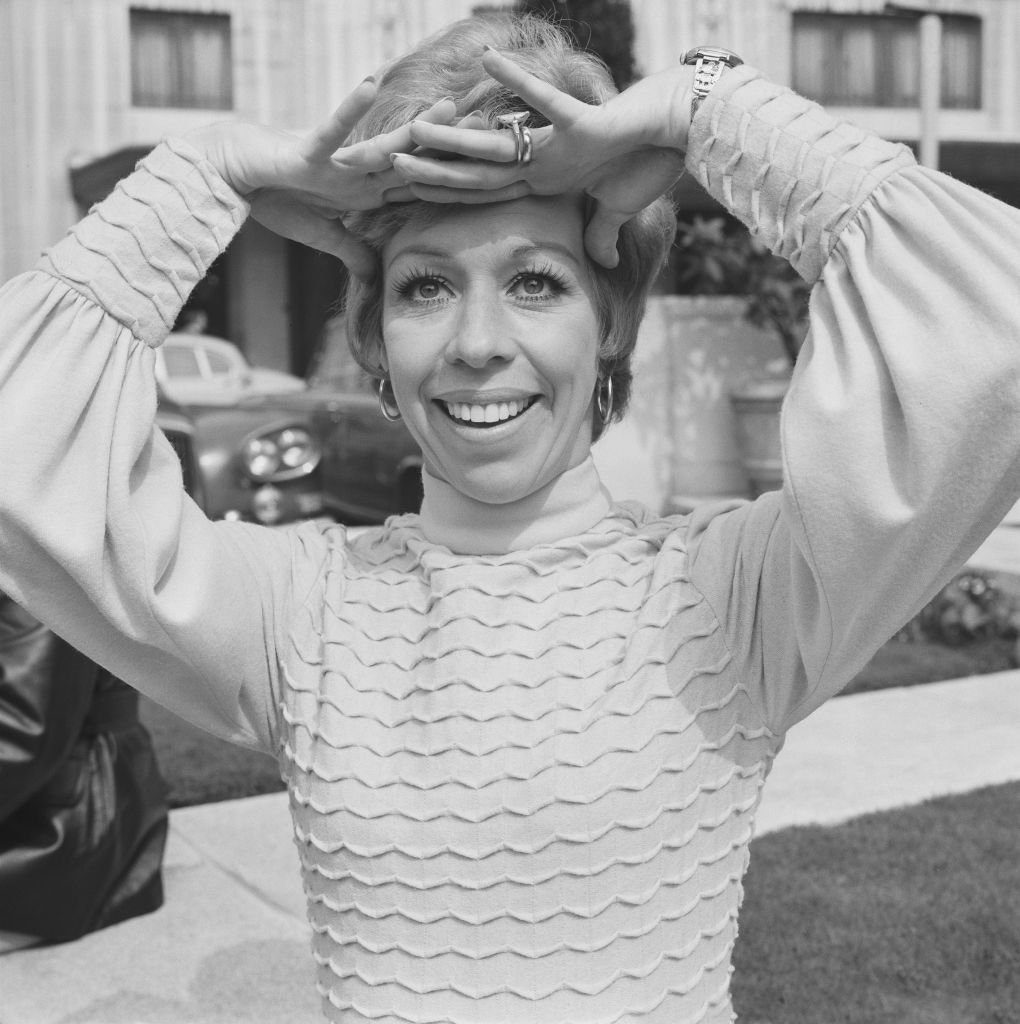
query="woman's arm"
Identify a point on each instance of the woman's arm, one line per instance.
(900, 430)
(97, 536)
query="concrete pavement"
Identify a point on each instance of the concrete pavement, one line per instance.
(231, 945)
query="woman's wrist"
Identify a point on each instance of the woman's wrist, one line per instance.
(222, 144)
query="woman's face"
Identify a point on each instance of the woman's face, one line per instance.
(491, 341)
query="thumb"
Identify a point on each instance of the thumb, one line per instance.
(601, 234)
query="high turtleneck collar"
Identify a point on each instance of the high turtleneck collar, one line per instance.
(567, 506)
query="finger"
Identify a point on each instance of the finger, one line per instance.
(403, 194)
(454, 173)
(474, 120)
(601, 234)
(557, 106)
(439, 194)
(358, 257)
(331, 236)
(477, 145)
(374, 153)
(328, 137)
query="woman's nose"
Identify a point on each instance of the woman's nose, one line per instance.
(481, 332)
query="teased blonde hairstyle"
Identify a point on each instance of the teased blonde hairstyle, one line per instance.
(449, 64)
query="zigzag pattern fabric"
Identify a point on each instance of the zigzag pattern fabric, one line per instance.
(522, 785)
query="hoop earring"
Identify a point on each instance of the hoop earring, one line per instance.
(387, 401)
(604, 405)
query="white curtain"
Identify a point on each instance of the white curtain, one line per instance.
(961, 63)
(152, 74)
(206, 65)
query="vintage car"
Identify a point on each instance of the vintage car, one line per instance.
(323, 450)
(206, 370)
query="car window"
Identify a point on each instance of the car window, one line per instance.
(180, 362)
(218, 362)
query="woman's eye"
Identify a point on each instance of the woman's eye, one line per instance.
(426, 289)
(535, 286)
(418, 287)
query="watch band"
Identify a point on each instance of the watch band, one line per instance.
(709, 63)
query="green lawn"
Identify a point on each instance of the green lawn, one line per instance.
(905, 917)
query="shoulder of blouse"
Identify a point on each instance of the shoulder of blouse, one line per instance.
(794, 174)
(139, 252)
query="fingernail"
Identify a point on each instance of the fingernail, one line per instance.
(370, 78)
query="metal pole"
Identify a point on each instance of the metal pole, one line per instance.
(930, 89)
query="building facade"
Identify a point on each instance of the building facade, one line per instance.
(88, 86)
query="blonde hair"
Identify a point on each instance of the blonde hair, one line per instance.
(449, 64)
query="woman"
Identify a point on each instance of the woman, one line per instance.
(525, 732)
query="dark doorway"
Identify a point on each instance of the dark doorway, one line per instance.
(316, 284)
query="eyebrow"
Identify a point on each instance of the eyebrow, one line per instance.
(517, 253)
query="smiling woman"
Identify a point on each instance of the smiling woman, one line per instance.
(524, 731)
(484, 308)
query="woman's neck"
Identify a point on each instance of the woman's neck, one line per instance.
(569, 505)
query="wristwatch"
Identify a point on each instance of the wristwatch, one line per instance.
(710, 62)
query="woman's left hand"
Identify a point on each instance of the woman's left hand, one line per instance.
(624, 153)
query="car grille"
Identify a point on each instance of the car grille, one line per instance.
(181, 444)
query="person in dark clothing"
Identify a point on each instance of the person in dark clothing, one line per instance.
(83, 814)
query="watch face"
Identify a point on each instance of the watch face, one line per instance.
(712, 53)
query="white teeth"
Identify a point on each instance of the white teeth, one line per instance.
(492, 412)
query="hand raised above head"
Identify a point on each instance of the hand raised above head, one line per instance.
(300, 186)
(623, 153)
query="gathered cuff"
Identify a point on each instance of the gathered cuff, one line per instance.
(140, 252)
(795, 175)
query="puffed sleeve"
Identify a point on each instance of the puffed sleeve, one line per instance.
(901, 429)
(97, 536)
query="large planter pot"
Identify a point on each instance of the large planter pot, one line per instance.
(756, 410)
(677, 445)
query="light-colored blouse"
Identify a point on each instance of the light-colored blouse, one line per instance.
(524, 753)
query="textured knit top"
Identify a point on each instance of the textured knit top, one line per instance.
(524, 749)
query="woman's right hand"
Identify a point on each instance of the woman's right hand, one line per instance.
(300, 186)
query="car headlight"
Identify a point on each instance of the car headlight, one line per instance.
(280, 454)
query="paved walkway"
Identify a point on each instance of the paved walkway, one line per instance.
(231, 944)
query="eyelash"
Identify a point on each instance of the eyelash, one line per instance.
(415, 277)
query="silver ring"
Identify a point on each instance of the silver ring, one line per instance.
(517, 123)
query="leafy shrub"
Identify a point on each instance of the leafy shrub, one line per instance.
(718, 256)
(969, 608)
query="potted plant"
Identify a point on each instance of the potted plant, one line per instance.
(747, 311)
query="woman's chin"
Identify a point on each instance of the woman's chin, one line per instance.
(495, 483)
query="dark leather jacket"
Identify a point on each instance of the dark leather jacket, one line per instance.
(83, 814)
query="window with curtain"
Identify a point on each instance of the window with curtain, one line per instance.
(865, 60)
(180, 59)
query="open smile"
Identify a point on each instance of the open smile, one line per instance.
(486, 414)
